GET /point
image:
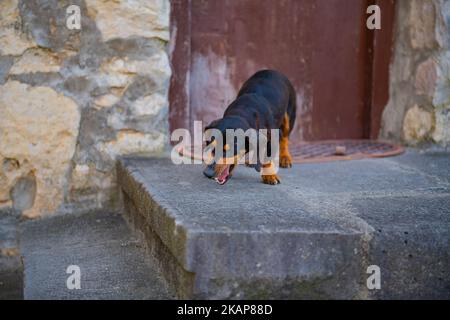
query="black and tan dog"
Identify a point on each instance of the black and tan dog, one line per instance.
(265, 101)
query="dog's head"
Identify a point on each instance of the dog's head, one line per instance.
(222, 164)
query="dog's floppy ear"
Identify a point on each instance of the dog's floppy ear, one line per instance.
(253, 143)
(212, 125)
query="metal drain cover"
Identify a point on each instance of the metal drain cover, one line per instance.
(335, 150)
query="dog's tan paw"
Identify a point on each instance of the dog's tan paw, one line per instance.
(271, 179)
(286, 161)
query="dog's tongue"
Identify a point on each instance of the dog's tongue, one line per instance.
(223, 176)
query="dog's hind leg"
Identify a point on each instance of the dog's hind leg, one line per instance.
(285, 156)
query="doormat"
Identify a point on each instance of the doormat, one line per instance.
(338, 150)
(330, 150)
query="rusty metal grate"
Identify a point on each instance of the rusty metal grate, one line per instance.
(335, 150)
(332, 150)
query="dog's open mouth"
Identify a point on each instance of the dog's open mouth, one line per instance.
(223, 177)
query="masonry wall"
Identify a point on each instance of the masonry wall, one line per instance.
(71, 101)
(418, 112)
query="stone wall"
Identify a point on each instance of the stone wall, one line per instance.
(419, 108)
(71, 101)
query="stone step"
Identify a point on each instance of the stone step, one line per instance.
(11, 268)
(112, 262)
(312, 236)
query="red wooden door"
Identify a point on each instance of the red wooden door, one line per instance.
(323, 46)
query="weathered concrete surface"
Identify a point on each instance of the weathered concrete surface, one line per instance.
(313, 236)
(11, 268)
(111, 260)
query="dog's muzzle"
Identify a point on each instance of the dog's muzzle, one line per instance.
(209, 171)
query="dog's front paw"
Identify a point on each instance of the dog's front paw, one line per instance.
(285, 161)
(271, 179)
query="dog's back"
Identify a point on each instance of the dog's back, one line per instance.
(274, 87)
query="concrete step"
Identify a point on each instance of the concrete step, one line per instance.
(11, 268)
(111, 260)
(313, 236)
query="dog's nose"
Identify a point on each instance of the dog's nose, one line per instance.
(209, 171)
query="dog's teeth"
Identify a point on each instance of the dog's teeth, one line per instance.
(221, 182)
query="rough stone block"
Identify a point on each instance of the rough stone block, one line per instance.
(313, 236)
(38, 132)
